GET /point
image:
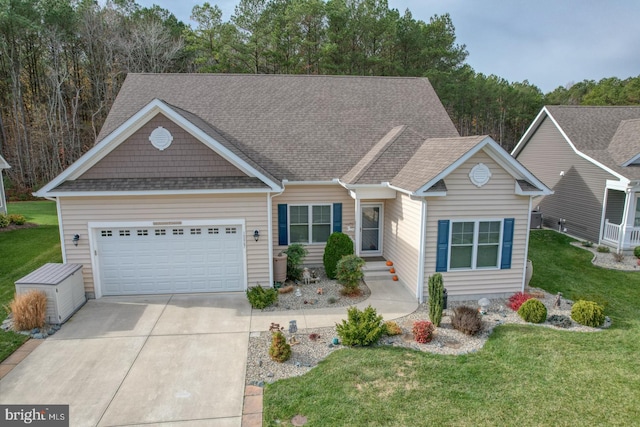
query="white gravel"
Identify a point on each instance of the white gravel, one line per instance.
(608, 260)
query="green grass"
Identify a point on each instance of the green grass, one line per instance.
(525, 375)
(21, 252)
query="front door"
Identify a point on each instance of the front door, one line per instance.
(371, 229)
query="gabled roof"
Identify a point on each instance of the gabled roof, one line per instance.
(4, 164)
(427, 170)
(297, 127)
(602, 135)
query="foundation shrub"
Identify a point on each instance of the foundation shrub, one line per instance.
(588, 313)
(349, 274)
(533, 311)
(392, 328)
(516, 300)
(338, 245)
(466, 320)
(362, 328)
(295, 256)
(260, 297)
(423, 331)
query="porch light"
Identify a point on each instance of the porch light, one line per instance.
(75, 240)
(256, 235)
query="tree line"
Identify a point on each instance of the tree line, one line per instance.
(62, 63)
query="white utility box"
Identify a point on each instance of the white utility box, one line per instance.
(63, 285)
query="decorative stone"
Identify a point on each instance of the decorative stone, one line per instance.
(298, 292)
(293, 327)
(299, 420)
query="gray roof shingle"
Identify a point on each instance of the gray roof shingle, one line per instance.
(157, 184)
(299, 128)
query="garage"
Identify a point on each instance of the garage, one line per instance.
(170, 259)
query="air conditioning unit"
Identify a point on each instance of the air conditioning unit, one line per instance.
(63, 285)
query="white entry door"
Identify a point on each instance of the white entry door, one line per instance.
(371, 229)
(172, 259)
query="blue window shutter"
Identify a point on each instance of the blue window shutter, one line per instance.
(507, 243)
(442, 253)
(337, 217)
(283, 237)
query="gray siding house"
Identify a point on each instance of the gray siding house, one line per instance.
(3, 199)
(590, 157)
(197, 181)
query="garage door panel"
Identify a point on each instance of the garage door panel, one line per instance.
(147, 260)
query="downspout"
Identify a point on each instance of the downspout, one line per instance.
(421, 252)
(526, 244)
(270, 231)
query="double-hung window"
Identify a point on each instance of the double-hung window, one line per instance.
(309, 223)
(475, 244)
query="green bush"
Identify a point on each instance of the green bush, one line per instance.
(338, 245)
(17, 219)
(636, 251)
(260, 297)
(588, 313)
(362, 327)
(295, 255)
(533, 310)
(604, 249)
(349, 273)
(280, 350)
(392, 328)
(436, 301)
(4, 221)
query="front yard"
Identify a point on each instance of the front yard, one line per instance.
(21, 252)
(525, 375)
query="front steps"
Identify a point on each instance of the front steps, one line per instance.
(376, 270)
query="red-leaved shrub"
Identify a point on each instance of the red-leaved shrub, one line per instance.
(423, 331)
(517, 299)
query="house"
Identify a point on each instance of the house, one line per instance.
(590, 157)
(196, 181)
(3, 198)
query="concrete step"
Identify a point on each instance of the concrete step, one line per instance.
(375, 266)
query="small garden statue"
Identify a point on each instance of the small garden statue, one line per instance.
(556, 303)
(306, 276)
(293, 327)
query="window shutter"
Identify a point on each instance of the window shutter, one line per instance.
(283, 237)
(443, 245)
(337, 217)
(507, 243)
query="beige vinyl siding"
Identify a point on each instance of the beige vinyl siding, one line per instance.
(465, 201)
(315, 195)
(77, 212)
(402, 218)
(578, 195)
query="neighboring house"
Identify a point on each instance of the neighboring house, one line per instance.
(196, 181)
(3, 198)
(590, 157)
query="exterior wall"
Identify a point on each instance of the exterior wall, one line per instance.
(315, 194)
(579, 194)
(185, 157)
(402, 217)
(77, 212)
(495, 200)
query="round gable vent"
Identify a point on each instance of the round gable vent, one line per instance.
(480, 174)
(161, 138)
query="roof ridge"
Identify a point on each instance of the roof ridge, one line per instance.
(336, 76)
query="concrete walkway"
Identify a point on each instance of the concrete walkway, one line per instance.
(173, 360)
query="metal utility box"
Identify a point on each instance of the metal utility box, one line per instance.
(536, 219)
(63, 285)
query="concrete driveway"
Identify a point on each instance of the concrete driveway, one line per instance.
(171, 359)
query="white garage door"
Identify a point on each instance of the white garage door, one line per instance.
(175, 259)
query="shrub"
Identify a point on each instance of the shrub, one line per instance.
(392, 328)
(559, 321)
(17, 219)
(338, 245)
(516, 300)
(332, 300)
(295, 255)
(423, 331)
(280, 350)
(604, 249)
(588, 313)
(533, 310)
(260, 297)
(29, 310)
(636, 252)
(362, 327)
(618, 257)
(467, 320)
(4, 221)
(349, 273)
(436, 298)
(587, 244)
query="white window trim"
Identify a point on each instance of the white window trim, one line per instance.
(309, 222)
(474, 252)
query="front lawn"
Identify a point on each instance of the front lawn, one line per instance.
(525, 375)
(21, 252)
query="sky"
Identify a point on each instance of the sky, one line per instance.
(549, 43)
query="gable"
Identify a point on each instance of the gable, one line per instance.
(185, 157)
